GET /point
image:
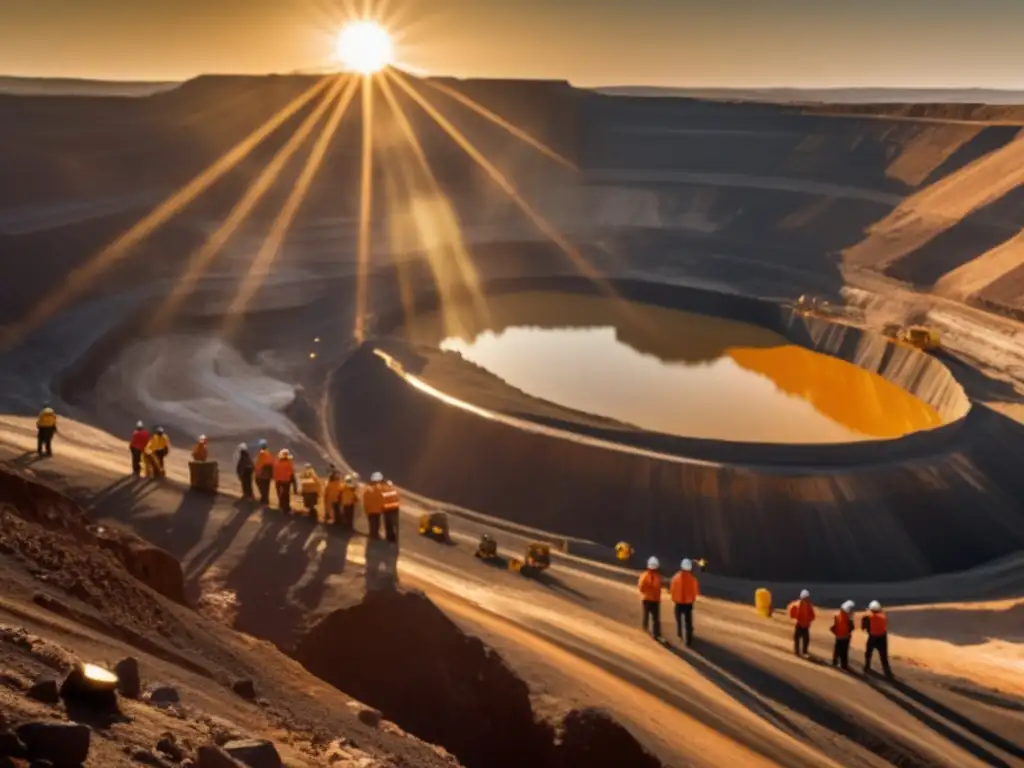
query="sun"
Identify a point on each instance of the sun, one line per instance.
(365, 47)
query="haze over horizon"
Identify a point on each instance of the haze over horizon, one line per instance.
(683, 43)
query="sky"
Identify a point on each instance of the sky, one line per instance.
(681, 43)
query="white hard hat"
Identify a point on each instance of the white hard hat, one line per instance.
(377, 477)
(848, 606)
(687, 564)
(653, 563)
(309, 465)
(285, 454)
(202, 438)
(243, 447)
(804, 594)
(874, 605)
(139, 425)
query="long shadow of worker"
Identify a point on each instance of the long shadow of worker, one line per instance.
(932, 713)
(332, 558)
(555, 584)
(27, 459)
(381, 566)
(705, 657)
(220, 544)
(119, 500)
(180, 531)
(274, 561)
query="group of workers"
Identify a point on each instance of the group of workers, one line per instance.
(340, 494)
(875, 624)
(684, 590)
(380, 500)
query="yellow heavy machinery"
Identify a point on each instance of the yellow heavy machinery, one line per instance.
(925, 339)
(435, 526)
(537, 559)
(487, 549)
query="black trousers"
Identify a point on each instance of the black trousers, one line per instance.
(263, 484)
(45, 440)
(136, 461)
(801, 640)
(878, 643)
(161, 457)
(391, 524)
(374, 523)
(245, 478)
(284, 496)
(684, 616)
(348, 517)
(652, 617)
(841, 653)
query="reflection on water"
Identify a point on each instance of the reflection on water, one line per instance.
(681, 373)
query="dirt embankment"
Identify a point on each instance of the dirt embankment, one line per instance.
(946, 512)
(68, 596)
(451, 689)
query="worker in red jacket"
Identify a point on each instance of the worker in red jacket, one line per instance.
(842, 628)
(877, 626)
(802, 613)
(138, 443)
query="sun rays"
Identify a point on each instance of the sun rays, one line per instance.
(367, 46)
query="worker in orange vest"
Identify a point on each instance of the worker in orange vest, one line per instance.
(391, 511)
(284, 480)
(373, 504)
(201, 452)
(349, 497)
(264, 472)
(802, 612)
(842, 628)
(650, 594)
(877, 626)
(684, 590)
(332, 496)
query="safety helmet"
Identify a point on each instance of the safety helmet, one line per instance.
(243, 447)
(653, 563)
(139, 425)
(159, 430)
(377, 477)
(848, 606)
(309, 465)
(804, 594)
(349, 479)
(284, 454)
(202, 438)
(687, 564)
(262, 443)
(874, 605)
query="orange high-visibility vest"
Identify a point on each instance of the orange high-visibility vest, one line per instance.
(650, 586)
(842, 625)
(684, 588)
(878, 625)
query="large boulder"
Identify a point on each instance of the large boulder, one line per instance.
(255, 753)
(63, 744)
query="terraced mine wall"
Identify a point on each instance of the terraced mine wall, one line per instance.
(936, 502)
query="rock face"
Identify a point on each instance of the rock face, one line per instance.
(454, 691)
(255, 753)
(157, 569)
(212, 756)
(129, 682)
(164, 694)
(63, 744)
(45, 691)
(245, 688)
(593, 738)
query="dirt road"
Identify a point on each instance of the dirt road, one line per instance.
(738, 697)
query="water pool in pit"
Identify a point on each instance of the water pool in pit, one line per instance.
(675, 372)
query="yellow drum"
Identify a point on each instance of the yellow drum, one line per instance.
(763, 602)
